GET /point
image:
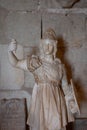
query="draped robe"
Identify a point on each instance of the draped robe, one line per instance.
(48, 109)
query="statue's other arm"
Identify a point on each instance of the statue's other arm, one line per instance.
(70, 97)
(65, 85)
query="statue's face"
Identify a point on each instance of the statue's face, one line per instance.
(48, 47)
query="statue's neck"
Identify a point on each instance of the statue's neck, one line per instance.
(49, 58)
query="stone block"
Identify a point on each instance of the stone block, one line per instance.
(77, 59)
(29, 80)
(24, 27)
(19, 4)
(10, 77)
(11, 116)
(57, 4)
(46, 4)
(3, 15)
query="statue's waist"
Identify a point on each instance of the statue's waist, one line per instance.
(47, 80)
(43, 82)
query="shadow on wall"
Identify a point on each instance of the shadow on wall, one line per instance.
(62, 49)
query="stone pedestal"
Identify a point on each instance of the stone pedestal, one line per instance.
(12, 114)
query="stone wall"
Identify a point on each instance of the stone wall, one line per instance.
(26, 20)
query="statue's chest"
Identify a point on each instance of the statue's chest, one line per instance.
(51, 71)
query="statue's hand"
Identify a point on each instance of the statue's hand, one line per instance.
(73, 106)
(12, 45)
(72, 103)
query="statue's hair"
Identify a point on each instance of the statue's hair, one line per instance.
(49, 34)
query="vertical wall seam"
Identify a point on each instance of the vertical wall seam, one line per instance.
(41, 27)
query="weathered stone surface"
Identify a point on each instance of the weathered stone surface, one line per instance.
(31, 50)
(77, 59)
(47, 4)
(24, 27)
(3, 15)
(10, 77)
(11, 116)
(19, 4)
(44, 4)
(29, 80)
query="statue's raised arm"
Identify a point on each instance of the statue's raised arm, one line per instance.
(13, 59)
(31, 63)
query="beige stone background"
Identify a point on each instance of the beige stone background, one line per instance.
(26, 20)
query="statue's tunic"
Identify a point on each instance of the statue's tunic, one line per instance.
(48, 110)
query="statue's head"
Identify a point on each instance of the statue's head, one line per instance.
(48, 43)
(49, 34)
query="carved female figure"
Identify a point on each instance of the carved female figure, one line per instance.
(52, 103)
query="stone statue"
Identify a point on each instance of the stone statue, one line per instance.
(53, 101)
